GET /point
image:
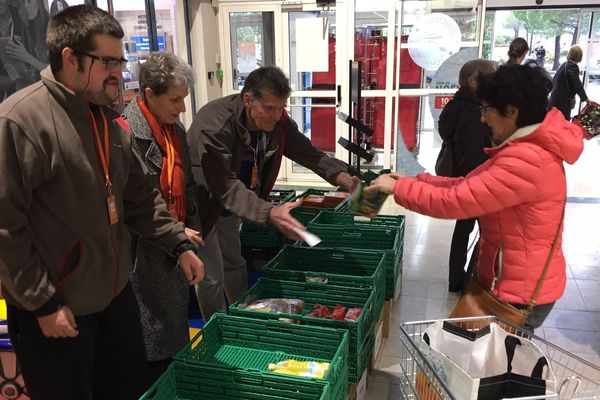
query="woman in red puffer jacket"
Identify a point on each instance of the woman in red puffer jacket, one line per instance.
(519, 194)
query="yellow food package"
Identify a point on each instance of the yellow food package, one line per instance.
(311, 369)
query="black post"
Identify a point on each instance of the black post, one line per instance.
(186, 17)
(151, 24)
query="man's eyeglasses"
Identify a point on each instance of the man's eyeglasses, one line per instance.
(483, 109)
(109, 62)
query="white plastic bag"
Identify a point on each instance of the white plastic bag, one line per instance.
(489, 363)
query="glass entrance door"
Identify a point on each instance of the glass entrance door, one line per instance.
(590, 42)
(248, 40)
(252, 43)
(301, 40)
(313, 57)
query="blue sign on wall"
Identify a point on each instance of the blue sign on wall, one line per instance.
(142, 43)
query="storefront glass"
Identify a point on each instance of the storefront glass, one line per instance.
(22, 43)
(550, 34)
(136, 42)
(252, 43)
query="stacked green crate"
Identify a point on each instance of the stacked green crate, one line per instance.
(343, 230)
(229, 359)
(265, 236)
(329, 266)
(361, 329)
(239, 385)
(305, 214)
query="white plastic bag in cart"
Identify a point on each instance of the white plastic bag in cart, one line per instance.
(489, 363)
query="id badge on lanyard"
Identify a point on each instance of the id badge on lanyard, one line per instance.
(104, 153)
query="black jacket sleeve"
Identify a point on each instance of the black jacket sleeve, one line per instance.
(575, 85)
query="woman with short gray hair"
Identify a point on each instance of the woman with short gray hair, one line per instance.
(162, 71)
(159, 139)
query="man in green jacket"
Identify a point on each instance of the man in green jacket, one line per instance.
(72, 187)
(236, 146)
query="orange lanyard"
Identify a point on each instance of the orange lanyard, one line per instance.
(103, 151)
(170, 161)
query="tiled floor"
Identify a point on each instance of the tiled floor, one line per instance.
(574, 323)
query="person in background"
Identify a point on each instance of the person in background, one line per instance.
(9, 69)
(29, 41)
(57, 6)
(72, 189)
(236, 146)
(518, 194)
(517, 51)
(460, 124)
(540, 54)
(567, 84)
(159, 140)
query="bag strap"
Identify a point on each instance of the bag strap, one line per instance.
(538, 288)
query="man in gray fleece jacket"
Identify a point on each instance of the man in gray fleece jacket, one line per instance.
(236, 147)
(71, 189)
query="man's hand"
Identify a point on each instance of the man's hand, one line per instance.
(192, 266)
(194, 236)
(347, 182)
(60, 324)
(384, 183)
(281, 219)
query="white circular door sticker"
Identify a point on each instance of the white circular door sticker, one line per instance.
(432, 39)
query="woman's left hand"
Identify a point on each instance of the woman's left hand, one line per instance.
(194, 236)
(384, 183)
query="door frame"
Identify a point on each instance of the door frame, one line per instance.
(287, 175)
(225, 39)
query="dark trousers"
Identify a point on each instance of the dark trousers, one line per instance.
(458, 253)
(106, 360)
(157, 368)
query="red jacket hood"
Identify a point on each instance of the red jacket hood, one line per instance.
(554, 134)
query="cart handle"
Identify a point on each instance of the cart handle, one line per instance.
(566, 381)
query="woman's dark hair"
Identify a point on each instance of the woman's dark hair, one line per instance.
(474, 68)
(518, 48)
(267, 79)
(525, 88)
(77, 27)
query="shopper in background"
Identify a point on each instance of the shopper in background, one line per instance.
(460, 124)
(72, 188)
(236, 147)
(540, 55)
(519, 193)
(57, 6)
(517, 51)
(28, 44)
(159, 140)
(9, 69)
(567, 83)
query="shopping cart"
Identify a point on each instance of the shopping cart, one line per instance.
(576, 378)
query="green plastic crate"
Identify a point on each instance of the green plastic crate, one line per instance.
(165, 388)
(305, 214)
(328, 295)
(385, 232)
(237, 385)
(343, 267)
(227, 345)
(265, 236)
